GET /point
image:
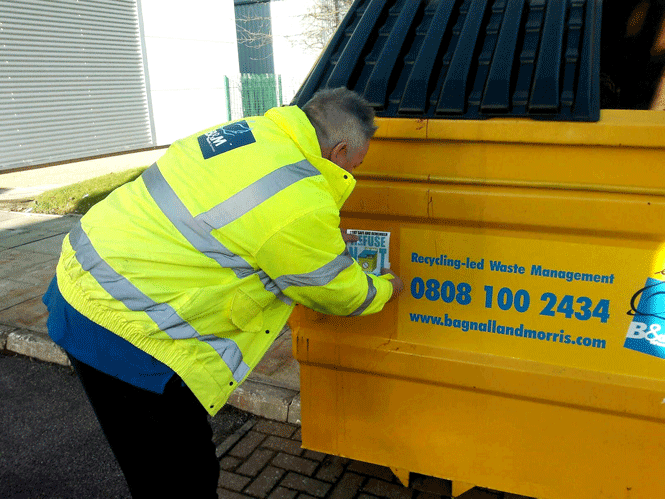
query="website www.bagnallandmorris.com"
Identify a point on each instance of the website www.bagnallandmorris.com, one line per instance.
(520, 331)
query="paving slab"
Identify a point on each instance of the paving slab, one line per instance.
(30, 315)
(14, 292)
(14, 261)
(13, 238)
(36, 222)
(55, 224)
(49, 245)
(38, 274)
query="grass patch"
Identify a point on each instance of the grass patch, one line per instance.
(79, 198)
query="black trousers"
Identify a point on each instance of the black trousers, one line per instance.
(163, 442)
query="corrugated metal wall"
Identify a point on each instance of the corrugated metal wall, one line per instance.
(72, 81)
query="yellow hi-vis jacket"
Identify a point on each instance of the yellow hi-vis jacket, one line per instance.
(199, 261)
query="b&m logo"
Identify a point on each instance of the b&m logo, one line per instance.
(638, 330)
(225, 139)
(646, 333)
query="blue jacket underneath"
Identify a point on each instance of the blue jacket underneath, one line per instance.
(100, 348)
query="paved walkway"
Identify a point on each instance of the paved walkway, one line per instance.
(28, 183)
(264, 459)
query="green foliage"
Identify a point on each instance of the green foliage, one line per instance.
(79, 198)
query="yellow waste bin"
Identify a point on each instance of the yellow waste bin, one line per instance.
(527, 353)
(514, 360)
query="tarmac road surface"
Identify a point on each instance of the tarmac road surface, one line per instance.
(48, 433)
(51, 445)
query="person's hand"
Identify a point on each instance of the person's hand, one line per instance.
(398, 285)
(348, 238)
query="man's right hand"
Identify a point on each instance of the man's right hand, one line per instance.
(398, 285)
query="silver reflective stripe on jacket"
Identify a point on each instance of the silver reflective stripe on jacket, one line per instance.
(197, 230)
(318, 277)
(165, 316)
(256, 193)
(371, 293)
(169, 202)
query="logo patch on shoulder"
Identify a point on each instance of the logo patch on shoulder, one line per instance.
(226, 139)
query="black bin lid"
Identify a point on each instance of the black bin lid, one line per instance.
(467, 59)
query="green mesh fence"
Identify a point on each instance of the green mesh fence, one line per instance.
(254, 94)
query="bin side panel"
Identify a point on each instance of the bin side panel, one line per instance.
(509, 444)
(527, 353)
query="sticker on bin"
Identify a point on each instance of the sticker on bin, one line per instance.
(371, 250)
(646, 332)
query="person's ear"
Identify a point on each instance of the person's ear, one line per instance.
(338, 154)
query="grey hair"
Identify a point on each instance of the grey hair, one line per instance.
(340, 115)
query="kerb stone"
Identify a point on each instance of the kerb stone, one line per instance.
(36, 345)
(263, 400)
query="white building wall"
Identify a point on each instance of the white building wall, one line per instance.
(292, 62)
(190, 47)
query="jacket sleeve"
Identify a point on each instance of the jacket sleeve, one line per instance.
(309, 262)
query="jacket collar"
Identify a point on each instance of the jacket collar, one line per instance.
(295, 124)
